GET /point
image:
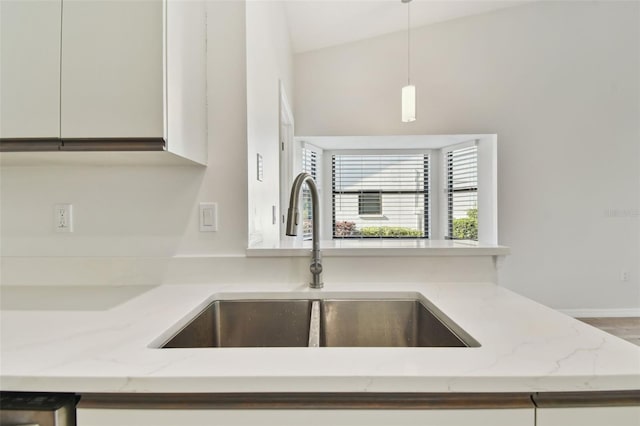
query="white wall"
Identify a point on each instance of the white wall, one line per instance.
(146, 211)
(153, 211)
(559, 82)
(138, 225)
(269, 62)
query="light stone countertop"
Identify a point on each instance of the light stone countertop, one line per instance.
(99, 339)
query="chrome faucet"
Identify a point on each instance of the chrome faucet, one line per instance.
(292, 222)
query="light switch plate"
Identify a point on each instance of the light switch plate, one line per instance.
(208, 217)
(259, 168)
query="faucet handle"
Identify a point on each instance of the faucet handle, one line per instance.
(292, 222)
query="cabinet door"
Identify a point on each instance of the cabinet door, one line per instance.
(588, 416)
(498, 417)
(112, 69)
(30, 68)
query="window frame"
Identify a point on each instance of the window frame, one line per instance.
(436, 146)
(450, 191)
(428, 193)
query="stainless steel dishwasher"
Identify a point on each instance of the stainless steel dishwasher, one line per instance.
(37, 409)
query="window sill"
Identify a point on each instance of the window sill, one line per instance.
(373, 217)
(378, 247)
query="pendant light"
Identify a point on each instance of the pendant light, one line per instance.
(408, 91)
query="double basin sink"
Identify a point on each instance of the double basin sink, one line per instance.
(326, 322)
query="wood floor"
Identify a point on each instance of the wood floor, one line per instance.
(627, 328)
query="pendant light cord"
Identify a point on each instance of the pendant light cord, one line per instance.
(409, 43)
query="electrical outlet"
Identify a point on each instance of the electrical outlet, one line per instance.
(624, 275)
(63, 217)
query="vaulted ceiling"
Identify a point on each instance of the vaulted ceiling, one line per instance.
(315, 24)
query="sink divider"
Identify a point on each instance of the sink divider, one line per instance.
(314, 325)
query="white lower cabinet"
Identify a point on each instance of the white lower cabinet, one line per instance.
(190, 417)
(588, 416)
(612, 408)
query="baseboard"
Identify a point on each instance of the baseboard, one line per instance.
(601, 313)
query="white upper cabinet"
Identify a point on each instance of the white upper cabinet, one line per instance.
(105, 75)
(186, 76)
(112, 69)
(30, 69)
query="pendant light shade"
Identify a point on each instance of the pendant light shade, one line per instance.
(409, 103)
(409, 100)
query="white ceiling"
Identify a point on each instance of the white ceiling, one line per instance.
(315, 24)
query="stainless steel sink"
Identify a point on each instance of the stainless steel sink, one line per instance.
(247, 323)
(383, 323)
(334, 323)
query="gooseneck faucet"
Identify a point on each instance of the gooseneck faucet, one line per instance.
(292, 222)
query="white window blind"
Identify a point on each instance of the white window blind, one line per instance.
(462, 193)
(380, 196)
(309, 165)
